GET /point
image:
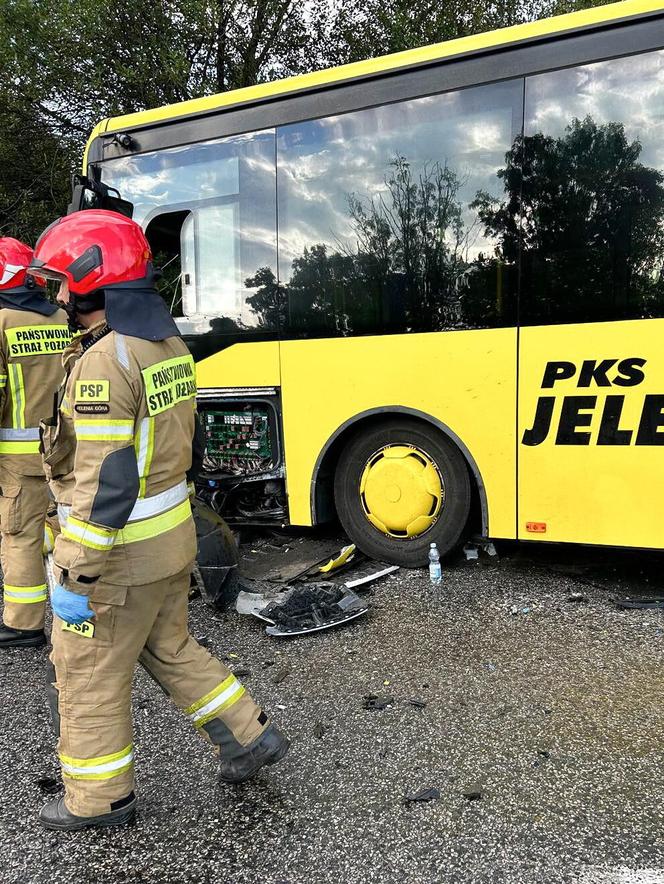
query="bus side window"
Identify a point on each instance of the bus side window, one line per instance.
(593, 193)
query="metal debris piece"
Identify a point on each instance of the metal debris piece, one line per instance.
(473, 792)
(418, 704)
(426, 794)
(367, 574)
(319, 730)
(578, 597)
(655, 602)
(305, 558)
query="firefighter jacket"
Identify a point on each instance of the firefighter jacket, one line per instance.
(118, 453)
(31, 348)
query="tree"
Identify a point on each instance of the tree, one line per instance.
(368, 28)
(70, 63)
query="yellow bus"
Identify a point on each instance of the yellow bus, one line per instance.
(424, 291)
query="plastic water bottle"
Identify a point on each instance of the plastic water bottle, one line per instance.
(435, 572)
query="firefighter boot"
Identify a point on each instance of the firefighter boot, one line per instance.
(269, 748)
(21, 638)
(55, 815)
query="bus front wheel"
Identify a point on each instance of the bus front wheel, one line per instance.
(399, 486)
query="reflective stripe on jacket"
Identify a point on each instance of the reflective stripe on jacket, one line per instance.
(128, 417)
(31, 348)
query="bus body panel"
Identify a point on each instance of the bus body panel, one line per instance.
(248, 364)
(597, 476)
(327, 383)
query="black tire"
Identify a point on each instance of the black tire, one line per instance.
(452, 519)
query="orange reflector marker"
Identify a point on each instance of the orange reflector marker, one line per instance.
(536, 527)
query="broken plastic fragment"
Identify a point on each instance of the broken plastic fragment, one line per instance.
(426, 794)
(344, 556)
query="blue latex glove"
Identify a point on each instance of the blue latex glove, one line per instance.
(69, 606)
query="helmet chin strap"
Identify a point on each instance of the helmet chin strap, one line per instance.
(77, 306)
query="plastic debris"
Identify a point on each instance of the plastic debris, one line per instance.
(368, 574)
(346, 554)
(376, 703)
(471, 552)
(48, 785)
(418, 704)
(319, 730)
(302, 609)
(425, 794)
(578, 597)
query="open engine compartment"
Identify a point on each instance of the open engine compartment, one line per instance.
(242, 477)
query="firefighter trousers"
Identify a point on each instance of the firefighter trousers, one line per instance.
(23, 505)
(90, 694)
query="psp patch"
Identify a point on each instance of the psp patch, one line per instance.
(93, 391)
(86, 629)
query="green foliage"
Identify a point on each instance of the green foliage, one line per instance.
(66, 64)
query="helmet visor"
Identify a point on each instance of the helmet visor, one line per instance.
(45, 272)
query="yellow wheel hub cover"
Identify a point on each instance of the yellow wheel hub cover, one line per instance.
(402, 491)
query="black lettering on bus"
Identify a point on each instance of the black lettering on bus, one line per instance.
(571, 418)
(542, 423)
(592, 370)
(651, 427)
(558, 371)
(630, 372)
(609, 428)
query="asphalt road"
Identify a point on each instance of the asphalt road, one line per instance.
(552, 714)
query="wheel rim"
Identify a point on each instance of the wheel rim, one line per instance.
(402, 491)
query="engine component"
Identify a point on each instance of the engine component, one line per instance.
(238, 441)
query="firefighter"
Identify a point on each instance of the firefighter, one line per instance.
(33, 335)
(120, 453)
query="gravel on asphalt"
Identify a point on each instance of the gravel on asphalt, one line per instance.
(541, 732)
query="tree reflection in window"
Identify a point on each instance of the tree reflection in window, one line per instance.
(589, 219)
(408, 268)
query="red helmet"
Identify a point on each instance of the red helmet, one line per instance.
(15, 259)
(92, 249)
